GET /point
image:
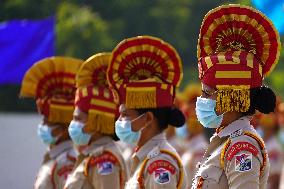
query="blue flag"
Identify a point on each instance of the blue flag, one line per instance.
(22, 43)
(273, 9)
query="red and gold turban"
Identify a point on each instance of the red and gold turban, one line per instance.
(144, 72)
(93, 95)
(237, 47)
(51, 82)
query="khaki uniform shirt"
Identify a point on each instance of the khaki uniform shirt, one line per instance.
(243, 159)
(154, 169)
(127, 151)
(103, 167)
(196, 147)
(58, 164)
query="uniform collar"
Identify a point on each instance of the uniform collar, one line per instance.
(149, 145)
(240, 123)
(98, 143)
(58, 149)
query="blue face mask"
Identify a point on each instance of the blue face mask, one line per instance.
(124, 132)
(182, 132)
(205, 112)
(45, 134)
(76, 133)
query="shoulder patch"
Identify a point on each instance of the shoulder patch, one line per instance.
(162, 176)
(161, 170)
(236, 133)
(161, 164)
(241, 146)
(105, 168)
(105, 157)
(243, 162)
(103, 162)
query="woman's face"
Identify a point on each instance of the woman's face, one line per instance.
(210, 93)
(57, 129)
(137, 121)
(80, 116)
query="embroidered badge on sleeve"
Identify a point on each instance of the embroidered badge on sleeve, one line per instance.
(162, 170)
(241, 146)
(104, 163)
(105, 168)
(243, 162)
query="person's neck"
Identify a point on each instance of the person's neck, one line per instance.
(230, 117)
(59, 141)
(95, 137)
(147, 134)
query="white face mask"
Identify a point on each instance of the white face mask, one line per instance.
(76, 133)
(205, 112)
(124, 131)
(45, 134)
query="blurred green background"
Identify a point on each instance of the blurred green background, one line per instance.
(85, 27)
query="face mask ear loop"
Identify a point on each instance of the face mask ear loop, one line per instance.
(56, 138)
(137, 117)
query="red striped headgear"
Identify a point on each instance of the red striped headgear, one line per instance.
(93, 95)
(144, 72)
(237, 47)
(51, 82)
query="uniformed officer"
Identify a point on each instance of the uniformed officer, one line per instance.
(92, 130)
(51, 82)
(195, 143)
(237, 47)
(143, 73)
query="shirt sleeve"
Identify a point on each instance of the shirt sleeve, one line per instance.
(162, 172)
(243, 171)
(77, 179)
(43, 180)
(107, 180)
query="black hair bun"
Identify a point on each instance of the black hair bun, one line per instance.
(265, 100)
(176, 118)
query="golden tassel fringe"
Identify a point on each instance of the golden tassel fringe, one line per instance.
(101, 122)
(142, 97)
(60, 114)
(233, 99)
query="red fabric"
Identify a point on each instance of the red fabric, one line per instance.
(51, 77)
(138, 42)
(84, 103)
(207, 76)
(161, 164)
(273, 49)
(241, 146)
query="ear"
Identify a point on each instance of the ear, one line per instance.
(149, 118)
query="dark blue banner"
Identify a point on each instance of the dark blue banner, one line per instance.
(273, 9)
(22, 43)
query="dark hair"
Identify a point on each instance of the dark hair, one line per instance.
(262, 99)
(165, 116)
